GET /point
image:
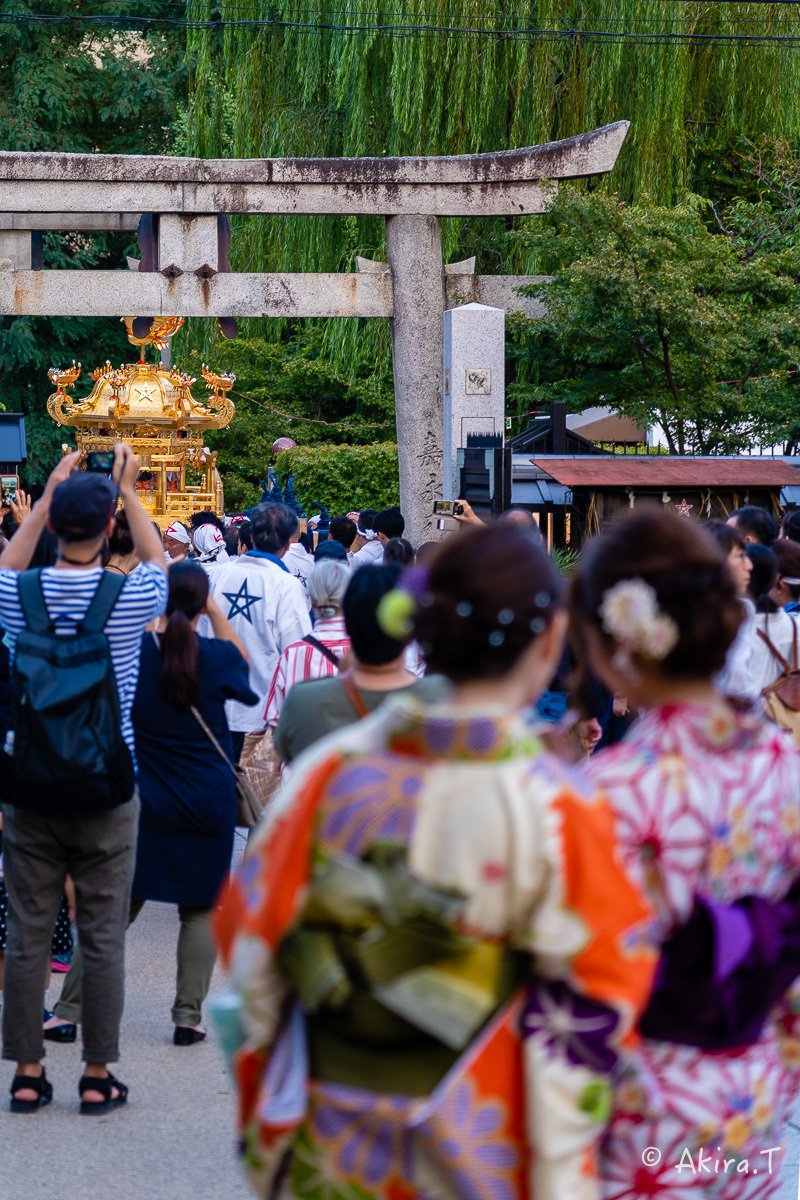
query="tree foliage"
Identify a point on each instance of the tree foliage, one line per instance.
(343, 478)
(292, 390)
(658, 317)
(105, 91)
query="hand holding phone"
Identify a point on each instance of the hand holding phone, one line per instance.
(447, 508)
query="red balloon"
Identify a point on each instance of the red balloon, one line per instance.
(283, 443)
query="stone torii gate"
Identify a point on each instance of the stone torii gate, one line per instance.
(185, 271)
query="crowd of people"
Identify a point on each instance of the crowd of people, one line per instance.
(520, 917)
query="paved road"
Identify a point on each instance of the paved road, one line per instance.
(173, 1141)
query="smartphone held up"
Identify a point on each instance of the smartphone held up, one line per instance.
(447, 508)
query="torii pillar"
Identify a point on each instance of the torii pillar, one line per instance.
(414, 250)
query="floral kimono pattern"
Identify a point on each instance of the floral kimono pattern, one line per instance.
(707, 806)
(484, 814)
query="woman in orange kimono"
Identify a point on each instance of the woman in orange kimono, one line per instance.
(437, 953)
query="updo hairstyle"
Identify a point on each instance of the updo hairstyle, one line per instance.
(689, 574)
(491, 591)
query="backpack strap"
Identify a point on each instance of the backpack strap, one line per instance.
(323, 649)
(103, 601)
(31, 600)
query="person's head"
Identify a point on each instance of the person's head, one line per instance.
(209, 542)
(207, 518)
(764, 574)
(398, 550)
(82, 515)
(332, 550)
(367, 587)
(45, 553)
(327, 584)
(655, 606)
(364, 531)
(176, 540)
(231, 536)
(365, 519)
(245, 537)
(272, 527)
(492, 609)
(733, 546)
(425, 552)
(786, 589)
(388, 524)
(342, 530)
(790, 525)
(522, 520)
(179, 683)
(754, 524)
(120, 542)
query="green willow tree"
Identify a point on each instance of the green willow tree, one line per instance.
(318, 90)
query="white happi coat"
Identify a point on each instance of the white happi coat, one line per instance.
(267, 608)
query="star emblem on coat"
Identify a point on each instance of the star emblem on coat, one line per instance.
(683, 509)
(241, 602)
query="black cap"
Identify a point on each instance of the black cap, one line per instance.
(330, 549)
(82, 506)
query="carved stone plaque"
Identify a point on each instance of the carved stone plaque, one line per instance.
(478, 381)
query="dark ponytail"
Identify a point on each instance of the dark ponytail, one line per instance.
(179, 682)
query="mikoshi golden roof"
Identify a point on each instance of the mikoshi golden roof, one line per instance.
(142, 396)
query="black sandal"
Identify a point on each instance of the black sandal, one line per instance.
(91, 1084)
(37, 1083)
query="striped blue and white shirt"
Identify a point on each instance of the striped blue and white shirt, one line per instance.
(68, 594)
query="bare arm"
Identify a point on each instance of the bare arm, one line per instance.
(467, 515)
(146, 541)
(223, 630)
(19, 551)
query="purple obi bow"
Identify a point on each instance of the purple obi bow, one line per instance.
(722, 972)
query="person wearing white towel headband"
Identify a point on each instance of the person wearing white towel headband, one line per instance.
(176, 542)
(210, 546)
(367, 547)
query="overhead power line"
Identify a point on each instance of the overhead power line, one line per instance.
(597, 36)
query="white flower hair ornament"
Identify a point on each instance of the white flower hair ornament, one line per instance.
(629, 612)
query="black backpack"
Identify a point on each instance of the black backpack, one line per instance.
(69, 752)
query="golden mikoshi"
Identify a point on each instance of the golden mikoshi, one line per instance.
(151, 407)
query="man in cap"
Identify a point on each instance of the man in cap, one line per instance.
(96, 848)
(331, 549)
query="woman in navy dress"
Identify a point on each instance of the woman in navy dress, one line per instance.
(187, 790)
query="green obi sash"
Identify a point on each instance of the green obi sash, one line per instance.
(392, 992)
